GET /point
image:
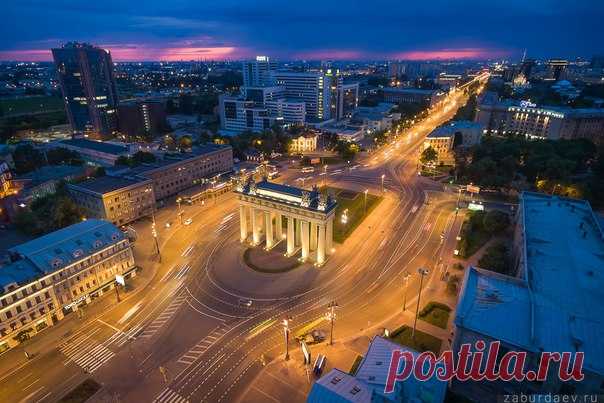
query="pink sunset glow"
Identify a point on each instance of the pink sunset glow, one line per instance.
(138, 53)
(450, 54)
(185, 51)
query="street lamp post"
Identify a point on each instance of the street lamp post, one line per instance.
(422, 272)
(406, 281)
(331, 316)
(365, 204)
(383, 176)
(286, 335)
(154, 233)
(117, 291)
(178, 201)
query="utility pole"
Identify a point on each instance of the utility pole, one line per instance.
(117, 291)
(178, 201)
(406, 281)
(286, 334)
(154, 233)
(331, 316)
(422, 272)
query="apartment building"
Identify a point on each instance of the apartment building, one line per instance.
(177, 172)
(508, 117)
(312, 87)
(444, 139)
(120, 200)
(552, 302)
(54, 274)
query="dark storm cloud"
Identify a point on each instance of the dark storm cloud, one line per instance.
(365, 29)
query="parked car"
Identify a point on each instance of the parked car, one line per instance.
(188, 221)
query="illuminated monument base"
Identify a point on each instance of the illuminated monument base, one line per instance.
(275, 213)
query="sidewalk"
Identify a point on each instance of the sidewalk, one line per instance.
(289, 381)
(50, 338)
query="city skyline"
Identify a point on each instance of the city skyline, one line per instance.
(239, 29)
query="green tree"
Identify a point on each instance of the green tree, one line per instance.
(428, 156)
(27, 158)
(495, 221)
(495, 258)
(185, 142)
(143, 157)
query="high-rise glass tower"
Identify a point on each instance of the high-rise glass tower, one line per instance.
(85, 74)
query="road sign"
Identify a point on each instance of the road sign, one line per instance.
(473, 189)
(306, 352)
(120, 280)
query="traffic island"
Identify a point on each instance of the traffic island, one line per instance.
(421, 342)
(352, 208)
(269, 261)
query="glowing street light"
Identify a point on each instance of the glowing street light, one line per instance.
(331, 316)
(344, 217)
(406, 277)
(285, 324)
(422, 272)
(178, 201)
(154, 233)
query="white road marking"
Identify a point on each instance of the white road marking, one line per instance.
(164, 317)
(169, 396)
(197, 351)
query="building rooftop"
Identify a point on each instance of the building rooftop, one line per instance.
(60, 248)
(288, 194)
(410, 90)
(54, 172)
(450, 129)
(370, 380)
(175, 158)
(19, 272)
(556, 301)
(97, 146)
(339, 387)
(106, 184)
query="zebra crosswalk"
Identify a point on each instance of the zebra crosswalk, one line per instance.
(120, 338)
(85, 353)
(169, 396)
(163, 317)
(196, 351)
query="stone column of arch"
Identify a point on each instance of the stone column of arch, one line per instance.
(290, 236)
(305, 240)
(321, 245)
(279, 225)
(243, 223)
(313, 236)
(255, 227)
(268, 220)
(329, 237)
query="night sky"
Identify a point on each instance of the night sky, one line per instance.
(307, 29)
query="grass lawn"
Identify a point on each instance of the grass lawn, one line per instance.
(423, 341)
(32, 104)
(354, 202)
(472, 239)
(436, 314)
(82, 392)
(355, 365)
(331, 160)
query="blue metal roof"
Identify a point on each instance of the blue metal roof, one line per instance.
(58, 249)
(561, 282)
(97, 146)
